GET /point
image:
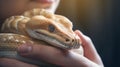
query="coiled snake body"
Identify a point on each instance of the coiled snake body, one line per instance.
(37, 26)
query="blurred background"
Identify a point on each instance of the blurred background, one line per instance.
(98, 19)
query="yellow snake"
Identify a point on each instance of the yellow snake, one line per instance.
(37, 26)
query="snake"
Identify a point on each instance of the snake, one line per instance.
(37, 26)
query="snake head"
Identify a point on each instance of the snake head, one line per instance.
(58, 31)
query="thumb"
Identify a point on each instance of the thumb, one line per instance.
(89, 49)
(42, 52)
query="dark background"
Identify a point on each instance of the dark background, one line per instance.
(100, 20)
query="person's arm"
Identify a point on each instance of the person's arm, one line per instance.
(59, 57)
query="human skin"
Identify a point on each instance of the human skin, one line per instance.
(15, 7)
(47, 53)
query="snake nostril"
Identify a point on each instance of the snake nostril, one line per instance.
(67, 40)
(73, 40)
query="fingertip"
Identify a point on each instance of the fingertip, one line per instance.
(79, 33)
(82, 36)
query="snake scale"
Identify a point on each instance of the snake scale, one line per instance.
(37, 26)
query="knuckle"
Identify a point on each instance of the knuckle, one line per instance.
(88, 39)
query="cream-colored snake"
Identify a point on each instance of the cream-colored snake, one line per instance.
(37, 26)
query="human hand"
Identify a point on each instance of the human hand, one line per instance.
(60, 57)
(90, 54)
(66, 58)
(5, 62)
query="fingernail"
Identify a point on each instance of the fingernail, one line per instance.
(24, 48)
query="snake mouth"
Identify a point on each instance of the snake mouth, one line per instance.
(46, 38)
(55, 42)
(51, 40)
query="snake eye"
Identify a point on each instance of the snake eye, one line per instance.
(51, 28)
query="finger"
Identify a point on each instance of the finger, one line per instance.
(54, 55)
(5, 62)
(89, 49)
(42, 52)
